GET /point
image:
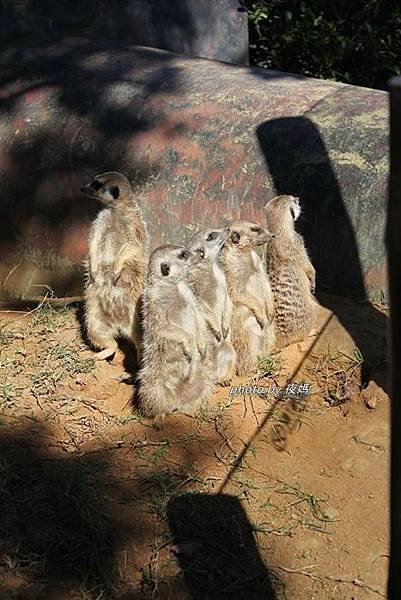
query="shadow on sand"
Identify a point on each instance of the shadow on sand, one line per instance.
(216, 548)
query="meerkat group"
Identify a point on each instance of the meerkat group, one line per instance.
(197, 314)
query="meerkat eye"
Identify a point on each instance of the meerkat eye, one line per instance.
(292, 213)
(201, 253)
(115, 192)
(165, 269)
(256, 229)
(235, 237)
(96, 185)
(184, 255)
(212, 236)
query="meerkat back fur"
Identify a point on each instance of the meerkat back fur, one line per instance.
(208, 282)
(175, 375)
(291, 273)
(116, 265)
(252, 326)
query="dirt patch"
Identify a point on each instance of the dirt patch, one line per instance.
(275, 490)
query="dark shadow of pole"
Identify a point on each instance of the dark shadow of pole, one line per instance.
(394, 259)
(299, 164)
(216, 548)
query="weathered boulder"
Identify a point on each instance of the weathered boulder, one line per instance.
(204, 142)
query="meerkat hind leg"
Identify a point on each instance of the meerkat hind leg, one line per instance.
(226, 364)
(107, 352)
(101, 332)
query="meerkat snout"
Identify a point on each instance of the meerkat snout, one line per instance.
(207, 244)
(283, 205)
(171, 263)
(246, 234)
(109, 188)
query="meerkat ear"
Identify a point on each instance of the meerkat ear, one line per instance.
(235, 237)
(292, 213)
(165, 269)
(115, 192)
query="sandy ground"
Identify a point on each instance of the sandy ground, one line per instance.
(256, 497)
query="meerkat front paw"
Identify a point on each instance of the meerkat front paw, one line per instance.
(261, 322)
(116, 277)
(217, 336)
(187, 353)
(202, 351)
(224, 383)
(188, 357)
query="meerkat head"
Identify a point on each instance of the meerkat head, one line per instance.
(285, 209)
(207, 244)
(171, 263)
(109, 188)
(245, 235)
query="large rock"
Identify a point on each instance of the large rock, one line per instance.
(203, 142)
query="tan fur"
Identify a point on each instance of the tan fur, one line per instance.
(176, 374)
(208, 282)
(116, 266)
(290, 271)
(249, 288)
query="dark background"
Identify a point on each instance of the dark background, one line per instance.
(354, 41)
(207, 29)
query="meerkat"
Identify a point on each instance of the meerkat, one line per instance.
(208, 282)
(176, 374)
(252, 327)
(116, 265)
(290, 271)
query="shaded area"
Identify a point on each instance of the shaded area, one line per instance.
(356, 42)
(216, 548)
(211, 30)
(178, 127)
(299, 164)
(87, 113)
(55, 525)
(113, 478)
(394, 257)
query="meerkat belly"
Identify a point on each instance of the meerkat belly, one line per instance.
(177, 375)
(220, 305)
(252, 326)
(221, 292)
(188, 316)
(290, 301)
(256, 286)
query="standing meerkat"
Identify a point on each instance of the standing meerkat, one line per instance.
(249, 288)
(116, 266)
(176, 374)
(208, 282)
(290, 271)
